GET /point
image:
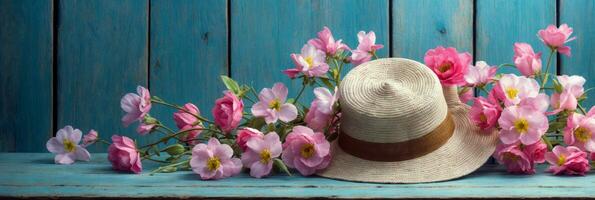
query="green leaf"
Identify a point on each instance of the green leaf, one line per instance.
(327, 83)
(557, 86)
(291, 100)
(230, 84)
(168, 169)
(281, 166)
(555, 126)
(257, 123)
(155, 150)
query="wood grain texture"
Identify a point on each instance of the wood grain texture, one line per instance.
(25, 74)
(580, 15)
(188, 53)
(501, 23)
(421, 25)
(265, 32)
(102, 55)
(35, 175)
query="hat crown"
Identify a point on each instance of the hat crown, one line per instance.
(391, 100)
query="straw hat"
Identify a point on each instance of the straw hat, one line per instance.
(398, 126)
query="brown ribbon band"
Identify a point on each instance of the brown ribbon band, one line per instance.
(399, 151)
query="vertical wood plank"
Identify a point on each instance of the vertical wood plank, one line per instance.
(422, 25)
(102, 54)
(501, 23)
(580, 15)
(188, 53)
(265, 32)
(26, 74)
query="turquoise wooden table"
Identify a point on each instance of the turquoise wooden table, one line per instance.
(34, 175)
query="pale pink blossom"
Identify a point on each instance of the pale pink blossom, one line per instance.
(526, 61)
(449, 65)
(306, 150)
(366, 48)
(555, 38)
(246, 134)
(519, 158)
(144, 128)
(326, 42)
(567, 160)
(272, 105)
(136, 106)
(580, 131)
(186, 120)
(480, 74)
(321, 109)
(260, 154)
(572, 89)
(521, 123)
(214, 160)
(90, 138)
(66, 146)
(123, 155)
(311, 62)
(485, 112)
(539, 103)
(515, 88)
(228, 111)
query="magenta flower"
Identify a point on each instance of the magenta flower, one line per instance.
(515, 88)
(311, 62)
(572, 89)
(144, 129)
(568, 160)
(66, 146)
(555, 38)
(321, 109)
(272, 105)
(186, 121)
(521, 123)
(123, 155)
(90, 138)
(366, 48)
(228, 111)
(260, 154)
(214, 160)
(136, 106)
(520, 159)
(480, 74)
(326, 42)
(449, 65)
(485, 112)
(526, 61)
(580, 131)
(306, 150)
(246, 134)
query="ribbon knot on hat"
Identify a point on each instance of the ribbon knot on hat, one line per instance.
(398, 125)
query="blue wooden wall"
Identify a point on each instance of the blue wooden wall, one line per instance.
(70, 61)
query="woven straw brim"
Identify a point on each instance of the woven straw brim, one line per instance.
(467, 150)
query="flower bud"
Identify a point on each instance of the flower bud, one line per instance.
(175, 149)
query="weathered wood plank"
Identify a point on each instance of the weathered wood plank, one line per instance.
(102, 54)
(580, 15)
(421, 25)
(35, 175)
(265, 32)
(26, 74)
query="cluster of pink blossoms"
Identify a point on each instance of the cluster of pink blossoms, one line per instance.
(517, 107)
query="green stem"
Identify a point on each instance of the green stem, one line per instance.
(581, 108)
(172, 165)
(154, 160)
(547, 142)
(182, 109)
(547, 68)
(177, 134)
(295, 100)
(506, 65)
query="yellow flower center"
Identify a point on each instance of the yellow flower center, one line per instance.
(275, 104)
(69, 146)
(483, 118)
(521, 125)
(444, 67)
(582, 134)
(309, 60)
(213, 163)
(510, 156)
(265, 156)
(561, 160)
(307, 150)
(512, 92)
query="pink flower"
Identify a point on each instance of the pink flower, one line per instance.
(326, 42)
(321, 109)
(580, 131)
(90, 138)
(136, 106)
(306, 150)
(466, 96)
(485, 112)
(450, 65)
(520, 159)
(260, 154)
(515, 88)
(186, 121)
(480, 74)
(366, 48)
(123, 155)
(246, 134)
(526, 61)
(568, 160)
(228, 111)
(66, 146)
(521, 123)
(144, 129)
(555, 38)
(214, 160)
(311, 62)
(272, 105)
(539, 103)
(572, 89)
